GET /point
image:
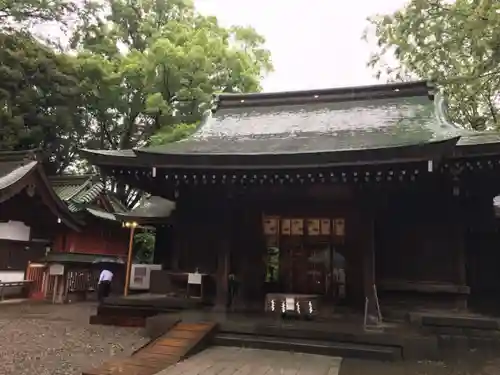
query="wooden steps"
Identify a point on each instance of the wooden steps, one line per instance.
(182, 341)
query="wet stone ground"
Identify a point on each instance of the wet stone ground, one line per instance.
(478, 362)
(48, 339)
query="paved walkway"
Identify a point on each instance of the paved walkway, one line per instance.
(237, 361)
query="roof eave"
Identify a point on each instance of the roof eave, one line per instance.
(98, 158)
(15, 186)
(143, 220)
(59, 208)
(423, 151)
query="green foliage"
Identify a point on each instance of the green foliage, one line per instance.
(16, 12)
(144, 247)
(456, 44)
(148, 68)
(40, 100)
(150, 65)
(139, 71)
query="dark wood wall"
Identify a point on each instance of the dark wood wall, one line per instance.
(417, 236)
(205, 225)
(420, 238)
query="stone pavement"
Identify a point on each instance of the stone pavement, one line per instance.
(238, 361)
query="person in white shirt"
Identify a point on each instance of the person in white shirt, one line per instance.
(104, 286)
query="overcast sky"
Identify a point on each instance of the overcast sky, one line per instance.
(314, 43)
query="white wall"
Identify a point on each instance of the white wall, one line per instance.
(11, 276)
(14, 230)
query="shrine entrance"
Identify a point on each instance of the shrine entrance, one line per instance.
(306, 256)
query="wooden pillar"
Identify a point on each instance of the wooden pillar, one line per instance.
(367, 213)
(460, 229)
(369, 282)
(223, 253)
(251, 250)
(164, 246)
(223, 260)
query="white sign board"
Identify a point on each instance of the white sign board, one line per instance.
(289, 304)
(56, 270)
(194, 278)
(15, 230)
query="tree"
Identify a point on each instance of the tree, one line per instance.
(40, 101)
(144, 246)
(455, 44)
(153, 66)
(17, 14)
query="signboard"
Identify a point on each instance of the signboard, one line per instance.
(194, 278)
(56, 269)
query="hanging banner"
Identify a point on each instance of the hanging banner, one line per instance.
(297, 227)
(313, 227)
(325, 227)
(286, 227)
(270, 225)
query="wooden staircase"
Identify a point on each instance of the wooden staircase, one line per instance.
(182, 341)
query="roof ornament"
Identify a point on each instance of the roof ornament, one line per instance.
(30, 156)
(441, 112)
(432, 89)
(215, 103)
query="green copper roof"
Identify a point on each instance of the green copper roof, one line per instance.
(250, 126)
(77, 191)
(66, 187)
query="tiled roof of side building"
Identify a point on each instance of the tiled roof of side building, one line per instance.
(19, 169)
(14, 165)
(69, 186)
(150, 209)
(81, 192)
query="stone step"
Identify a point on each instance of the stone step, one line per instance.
(330, 348)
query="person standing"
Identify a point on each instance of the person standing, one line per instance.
(104, 285)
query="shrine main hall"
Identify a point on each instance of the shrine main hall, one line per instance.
(336, 193)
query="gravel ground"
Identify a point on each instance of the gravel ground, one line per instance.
(46, 339)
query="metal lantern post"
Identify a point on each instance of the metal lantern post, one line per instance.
(132, 225)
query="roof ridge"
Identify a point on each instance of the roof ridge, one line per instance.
(70, 177)
(90, 195)
(340, 94)
(80, 189)
(23, 155)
